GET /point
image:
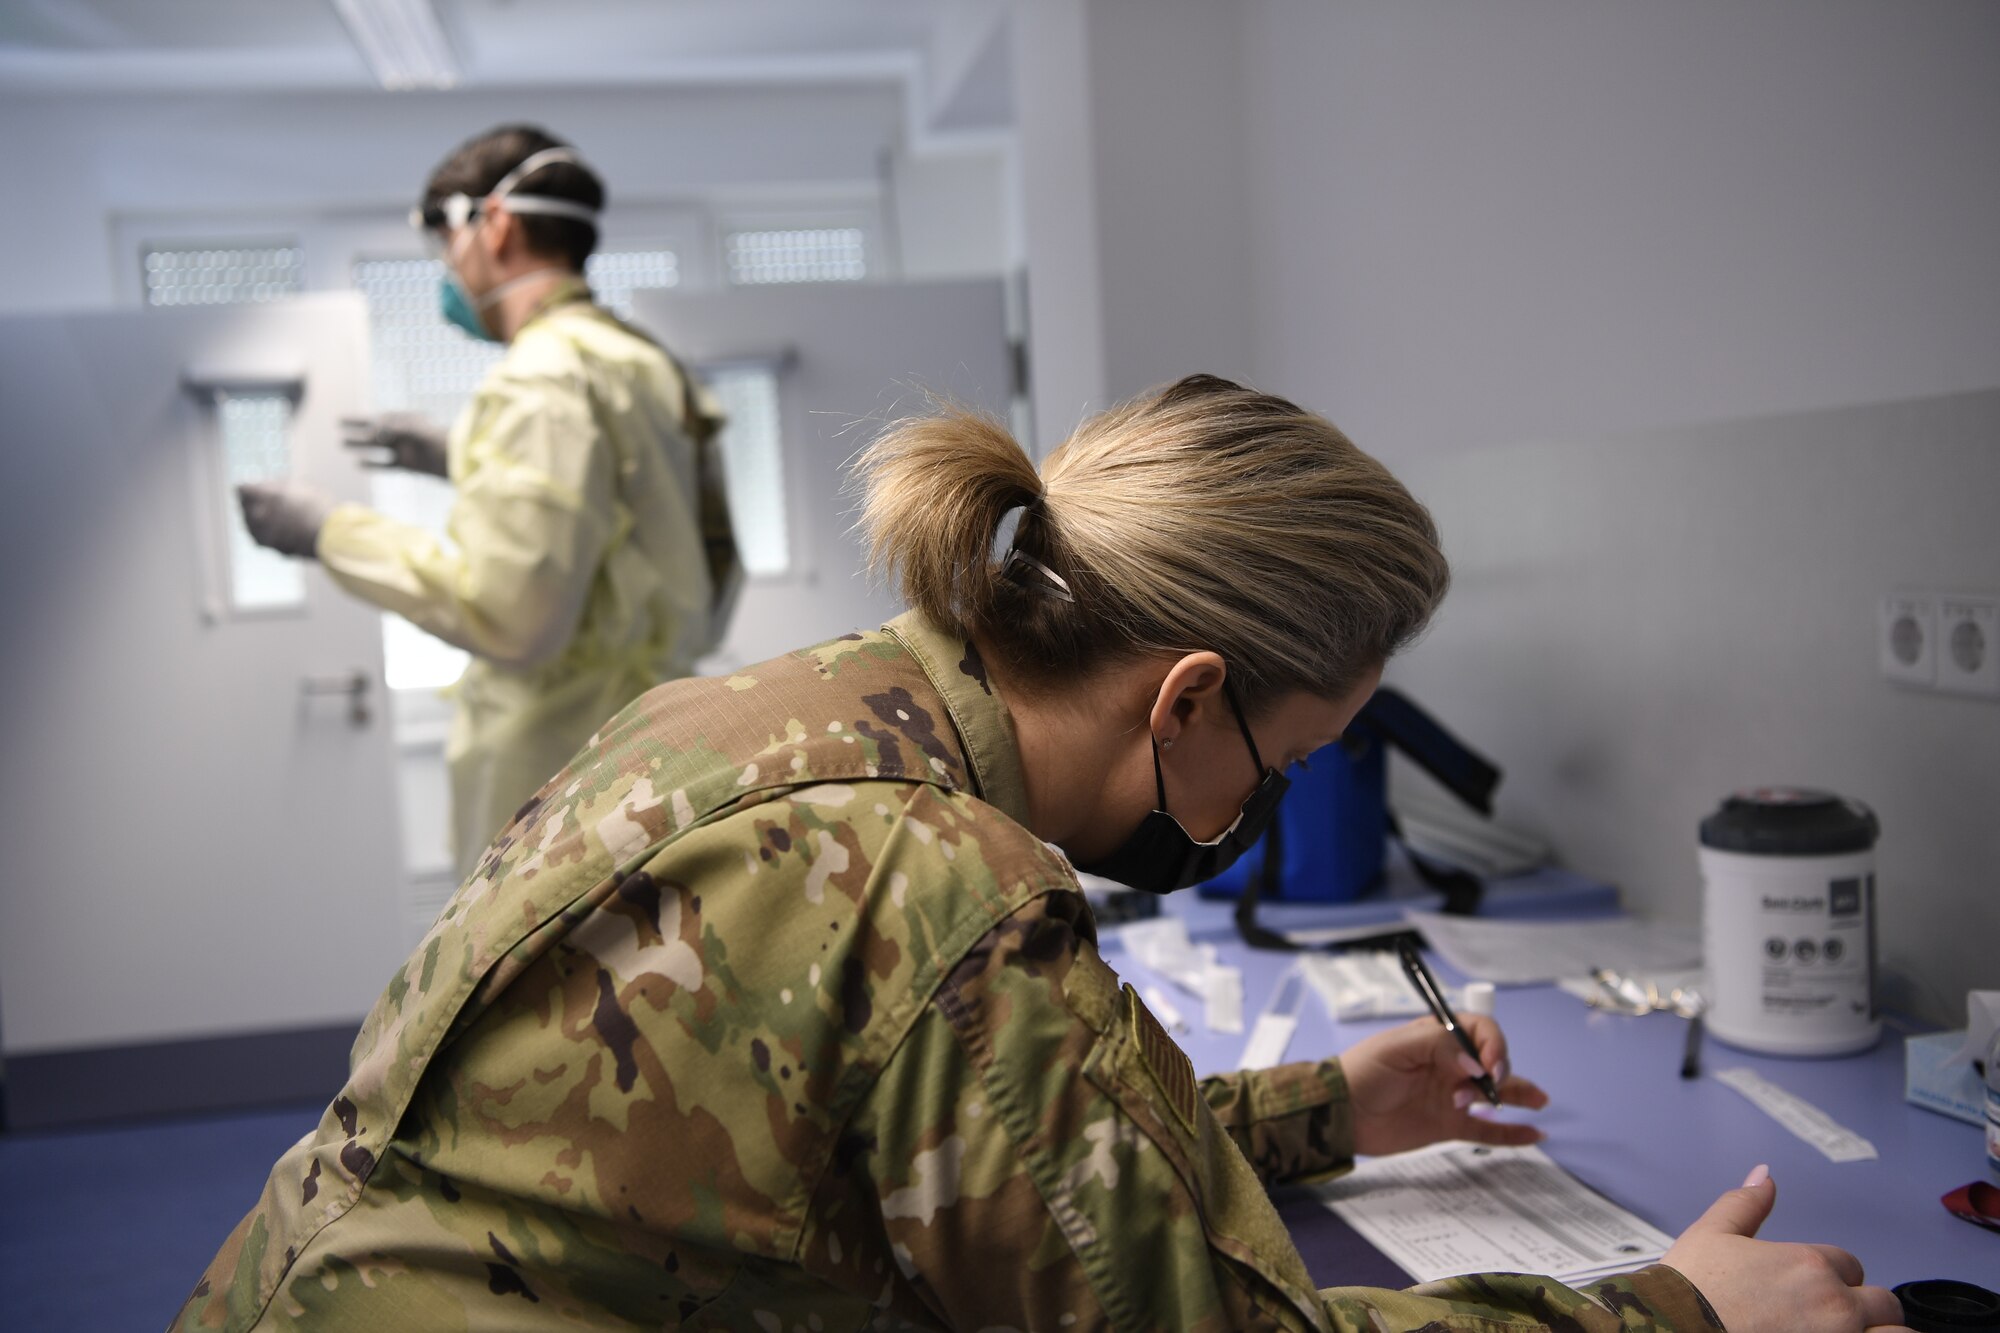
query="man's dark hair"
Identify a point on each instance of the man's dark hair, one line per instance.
(479, 164)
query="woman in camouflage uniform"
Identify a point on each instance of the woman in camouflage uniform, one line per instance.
(777, 1009)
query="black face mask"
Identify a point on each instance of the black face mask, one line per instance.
(1160, 857)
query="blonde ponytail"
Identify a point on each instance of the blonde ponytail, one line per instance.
(1201, 515)
(936, 490)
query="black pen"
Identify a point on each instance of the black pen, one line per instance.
(1426, 984)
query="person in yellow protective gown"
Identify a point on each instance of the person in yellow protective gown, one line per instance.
(589, 553)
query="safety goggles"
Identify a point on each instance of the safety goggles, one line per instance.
(437, 220)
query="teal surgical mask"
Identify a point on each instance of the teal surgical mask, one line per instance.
(457, 307)
(455, 303)
(461, 311)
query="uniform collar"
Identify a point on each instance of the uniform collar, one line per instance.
(567, 292)
(985, 727)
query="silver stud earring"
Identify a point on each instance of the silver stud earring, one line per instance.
(1167, 744)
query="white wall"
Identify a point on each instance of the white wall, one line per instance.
(1171, 213)
(950, 214)
(1132, 196)
(74, 163)
(1477, 224)
(1056, 226)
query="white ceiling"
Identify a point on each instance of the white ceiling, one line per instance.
(211, 45)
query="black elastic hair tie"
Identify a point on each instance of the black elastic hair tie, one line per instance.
(1029, 572)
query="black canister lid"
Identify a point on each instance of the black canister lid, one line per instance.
(1941, 1305)
(1789, 821)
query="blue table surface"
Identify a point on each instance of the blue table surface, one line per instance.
(1621, 1118)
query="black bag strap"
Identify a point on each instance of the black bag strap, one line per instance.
(1395, 717)
(1255, 886)
(1462, 889)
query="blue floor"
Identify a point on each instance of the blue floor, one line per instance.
(109, 1228)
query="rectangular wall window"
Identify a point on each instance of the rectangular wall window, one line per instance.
(255, 438)
(615, 274)
(221, 274)
(808, 254)
(753, 463)
(419, 364)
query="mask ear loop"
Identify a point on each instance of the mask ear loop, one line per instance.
(1242, 724)
(1229, 691)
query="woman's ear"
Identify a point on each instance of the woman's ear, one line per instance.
(1191, 687)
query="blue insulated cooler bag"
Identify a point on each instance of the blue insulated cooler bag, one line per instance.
(1329, 841)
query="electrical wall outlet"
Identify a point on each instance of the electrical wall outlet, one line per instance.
(1968, 645)
(1907, 643)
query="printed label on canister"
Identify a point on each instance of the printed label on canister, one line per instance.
(1815, 948)
(1790, 952)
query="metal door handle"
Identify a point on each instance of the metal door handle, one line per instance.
(354, 685)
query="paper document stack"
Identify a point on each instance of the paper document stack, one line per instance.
(1527, 952)
(1456, 1208)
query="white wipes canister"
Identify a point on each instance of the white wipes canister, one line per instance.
(1788, 922)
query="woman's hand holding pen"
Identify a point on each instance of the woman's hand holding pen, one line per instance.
(1413, 1085)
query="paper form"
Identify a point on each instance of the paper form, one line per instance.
(1523, 952)
(1808, 1122)
(1458, 1208)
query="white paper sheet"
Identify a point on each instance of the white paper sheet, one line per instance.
(1808, 1122)
(1525, 952)
(1458, 1208)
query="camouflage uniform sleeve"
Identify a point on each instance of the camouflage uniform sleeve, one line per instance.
(1293, 1123)
(1654, 1300)
(1015, 1163)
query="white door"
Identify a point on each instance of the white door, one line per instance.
(196, 845)
(846, 358)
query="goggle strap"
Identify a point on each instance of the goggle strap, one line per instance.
(529, 165)
(457, 213)
(542, 204)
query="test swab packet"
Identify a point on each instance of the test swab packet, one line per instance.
(1368, 984)
(1276, 1024)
